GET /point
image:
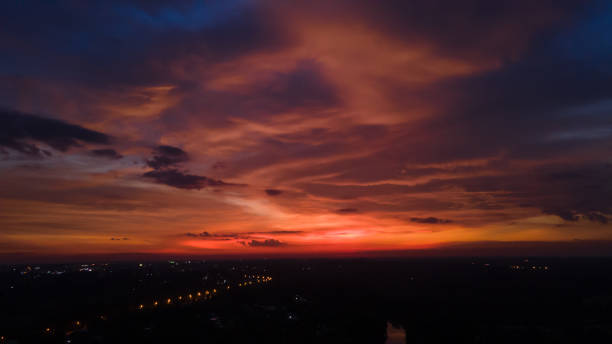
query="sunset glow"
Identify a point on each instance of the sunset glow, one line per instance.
(248, 128)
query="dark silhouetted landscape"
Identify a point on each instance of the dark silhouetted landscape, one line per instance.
(433, 300)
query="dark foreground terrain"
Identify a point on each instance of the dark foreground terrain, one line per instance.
(534, 300)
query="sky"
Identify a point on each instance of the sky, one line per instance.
(289, 128)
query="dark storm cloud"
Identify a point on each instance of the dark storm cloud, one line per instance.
(266, 243)
(22, 132)
(429, 220)
(182, 180)
(106, 153)
(273, 192)
(167, 156)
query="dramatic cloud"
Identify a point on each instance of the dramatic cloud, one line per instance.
(178, 179)
(146, 37)
(273, 192)
(217, 236)
(429, 220)
(167, 156)
(164, 161)
(351, 126)
(583, 192)
(266, 243)
(106, 153)
(348, 210)
(278, 232)
(243, 235)
(18, 131)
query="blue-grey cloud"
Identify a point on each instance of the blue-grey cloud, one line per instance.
(429, 220)
(182, 180)
(25, 132)
(266, 243)
(106, 153)
(167, 156)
